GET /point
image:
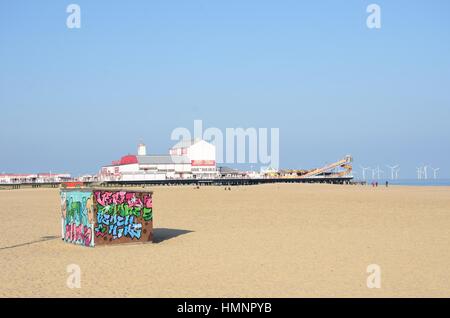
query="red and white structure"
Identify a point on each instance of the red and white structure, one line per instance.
(191, 159)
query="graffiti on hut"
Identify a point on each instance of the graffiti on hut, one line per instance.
(77, 217)
(122, 215)
(91, 217)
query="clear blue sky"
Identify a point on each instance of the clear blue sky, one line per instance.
(74, 99)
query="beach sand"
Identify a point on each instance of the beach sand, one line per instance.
(282, 240)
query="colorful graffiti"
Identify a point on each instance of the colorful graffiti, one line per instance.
(92, 217)
(77, 217)
(123, 216)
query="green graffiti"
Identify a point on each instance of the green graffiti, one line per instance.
(73, 211)
(76, 209)
(148, 214)
(125, 210)
(120, 209)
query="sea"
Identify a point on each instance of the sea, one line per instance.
(411, 182)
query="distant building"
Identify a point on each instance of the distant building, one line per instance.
(227, 173)
(34, 178)
(86, 178)
(192, 159)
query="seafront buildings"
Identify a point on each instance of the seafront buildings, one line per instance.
(13, 178)
(188, 159)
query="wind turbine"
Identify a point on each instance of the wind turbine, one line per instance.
(419, 173)
(379, 172)
(396, 173)
(364, 169)
(435, 170)
(392, 170)
(425, 172)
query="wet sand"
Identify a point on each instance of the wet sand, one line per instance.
(286, 240)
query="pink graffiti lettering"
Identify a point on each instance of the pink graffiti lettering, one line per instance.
(132, 201)
(99, 233)
(78, 234)
(87, 236)
(118, 197)
(148, 201)
(103, 198)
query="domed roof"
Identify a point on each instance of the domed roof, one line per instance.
(128, 160)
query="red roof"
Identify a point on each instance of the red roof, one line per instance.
(128, 160)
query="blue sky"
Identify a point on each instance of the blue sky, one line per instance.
(74, 99)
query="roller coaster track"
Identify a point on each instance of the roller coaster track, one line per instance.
(345, 164)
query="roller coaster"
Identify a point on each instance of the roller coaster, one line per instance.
(339, 169)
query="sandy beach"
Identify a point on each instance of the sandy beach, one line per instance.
(284, 240)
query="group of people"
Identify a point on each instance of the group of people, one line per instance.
(375, 184)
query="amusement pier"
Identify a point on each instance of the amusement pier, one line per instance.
(191, 162)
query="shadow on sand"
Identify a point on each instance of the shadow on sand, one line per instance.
(163, 234)
(159, 235)
(42, 239)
